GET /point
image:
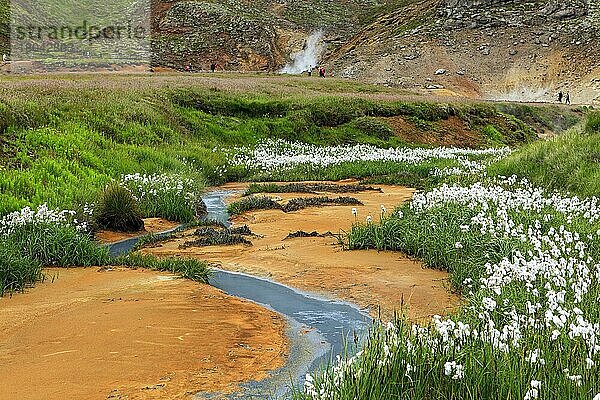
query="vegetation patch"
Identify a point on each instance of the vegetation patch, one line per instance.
(118, 210)
(526, 263)
(301, 203)
(218, 237)
(17, 270)
(311, 188)
(167, 196)
(303, 234)
(265, 203)
(193, 269)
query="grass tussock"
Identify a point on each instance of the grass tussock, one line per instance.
(118, 210)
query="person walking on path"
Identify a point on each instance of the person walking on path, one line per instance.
(560, 96)
(568, 99)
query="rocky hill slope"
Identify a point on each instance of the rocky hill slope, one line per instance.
(257, 35)
(499, 49)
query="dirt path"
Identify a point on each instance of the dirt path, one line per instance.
(368, 278)
(125, 334)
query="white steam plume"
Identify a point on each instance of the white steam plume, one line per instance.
(308, 57)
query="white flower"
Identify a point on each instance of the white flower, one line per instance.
(456, 371)
(577, 379)
(489, 303)
(534, 391)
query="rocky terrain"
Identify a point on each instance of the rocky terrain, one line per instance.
(500, 49)
(257, 36)
(524, 50)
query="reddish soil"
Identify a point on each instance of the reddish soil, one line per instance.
(151, 225)
(450, 132)
(132, 334)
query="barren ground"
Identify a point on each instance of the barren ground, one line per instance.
(151, 225)
(131, 334)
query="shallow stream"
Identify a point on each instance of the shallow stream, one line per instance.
(319, 329)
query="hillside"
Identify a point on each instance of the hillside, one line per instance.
(495, 49)
(500, 49)
(255, 36)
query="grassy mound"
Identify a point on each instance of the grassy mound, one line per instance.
(301, 203)
(218, 237)
(118, 210)
(265, 203)
(193, 269)
(568, 162)
(82, 133)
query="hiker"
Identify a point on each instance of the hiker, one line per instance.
(310, 71)
(568, 99)
(4, 59)
(213, 67)
(322, 72)
(560, 96)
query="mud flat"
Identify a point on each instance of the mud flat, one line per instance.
(151, 225)
(132, 334)
(378, 281)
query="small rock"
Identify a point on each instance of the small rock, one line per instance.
(440, 71)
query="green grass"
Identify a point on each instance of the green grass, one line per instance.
(193, 269)
(593, 123)
(569, 162)
(313, 188)
(17, 270)
(62, 144)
